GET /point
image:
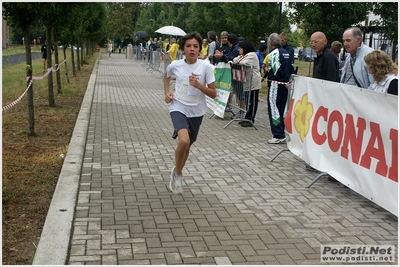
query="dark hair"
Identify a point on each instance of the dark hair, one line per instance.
(212, 35)
(190, 36)
(262, 48)
(247, 47)
(233, 39)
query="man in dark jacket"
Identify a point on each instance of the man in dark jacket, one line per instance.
(224, 47)
(286, 46)
(281, 69)
(233, 43)
(326, 65)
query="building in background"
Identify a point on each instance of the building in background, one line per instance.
(374, 39)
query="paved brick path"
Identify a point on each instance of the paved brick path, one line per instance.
(237, 208)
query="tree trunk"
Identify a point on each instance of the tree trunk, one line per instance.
(66, 62)
(57, 62)
(82, 53)
(73, 61)
(78, 57)
(49, 65)
(29, 93)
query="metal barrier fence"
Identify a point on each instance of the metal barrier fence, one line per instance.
(167, 61)
(151, 60)
(242, 76)
(137, 53)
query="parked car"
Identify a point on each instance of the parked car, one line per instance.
(307, 54)
(296, 53)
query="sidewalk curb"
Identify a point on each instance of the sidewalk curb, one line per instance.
(55, 239)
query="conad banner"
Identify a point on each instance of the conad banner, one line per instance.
(223, 80)
(349, 133)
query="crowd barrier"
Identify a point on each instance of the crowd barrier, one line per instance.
(151, 60)
(241, 88)
(235, 80)
(352, 135)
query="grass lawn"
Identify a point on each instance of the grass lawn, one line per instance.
(14, 50)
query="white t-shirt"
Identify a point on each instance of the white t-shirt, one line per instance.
(188, 99)
(110, 47)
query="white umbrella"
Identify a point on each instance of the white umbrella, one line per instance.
(171, 30)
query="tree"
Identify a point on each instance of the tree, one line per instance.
(48, 17)
(122, 17)
(330, 18)
(252, 20)
(23, 16)
(388, 11)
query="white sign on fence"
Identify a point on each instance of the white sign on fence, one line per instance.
(349, 133)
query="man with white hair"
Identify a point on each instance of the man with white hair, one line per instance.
(355, 70)
(280, 69)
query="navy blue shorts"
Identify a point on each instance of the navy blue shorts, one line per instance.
(180, 121)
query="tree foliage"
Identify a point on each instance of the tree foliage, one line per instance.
(327, 17)
(388, 11)
(252, 20)
(122, 17)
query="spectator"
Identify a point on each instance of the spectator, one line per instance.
(160, 43)
(326, 64)
(143, 48)
(287, 47)
(137, 41)
(212, 47)
(166, 45)
(153, 48)
(384, 71)
(43, 49)
(280, 70)
(188, 105)
(241, 39)
(204, 50)
(149, 42)
(110, 49)
(336, 48)
(261, 53)
(224, 46)
(233, 43)
(355, 70)
(173, 50)
(248, 56)
(265, 67)
(222, 56)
